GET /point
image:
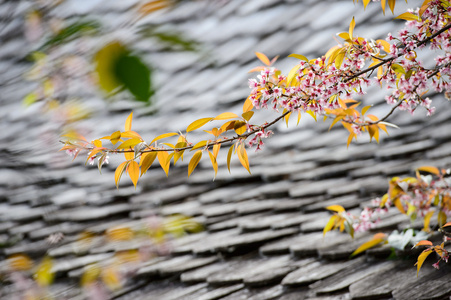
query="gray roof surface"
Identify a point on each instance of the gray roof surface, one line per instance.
(263, 237)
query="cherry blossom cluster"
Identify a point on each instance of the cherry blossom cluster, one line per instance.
(368, 218)
(258, 136)
(319, 83)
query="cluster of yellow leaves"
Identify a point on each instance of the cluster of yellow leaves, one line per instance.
(345, 114)
(435, 195)
(42, 272)
(438, 249)
(339, 220)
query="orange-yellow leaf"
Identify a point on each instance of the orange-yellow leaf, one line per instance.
(263, 58)
(227, 126)
(164, 161)
(162, 136)
(256, 69)
(399, 206)
(365, 3)
(242, 156)
(247, 115)
(216, 150)
(44, 275)
(130, 134)
(351, 28)
(97, 143)
(338, 118)
(427, 220)
(299, 118)
(129, 143)
(287, 118)
(299, 56)
(214, 163)
(90, 275)
(133, 172)
(229, 156)
(330, 224)
(240, 127)
(198, 124)
(119, 171)
(429, 169)
(383, 2)
(226, 116)
(129, 155)
(146, 161)
(424, 6)
(20, 262)
(350, 137)
(441, 218)
(376, 240)
(391, 4)
(154, 5)
(194, 161)
(447, 224)
(337, 208)
(199, 145)
(111, 277)
(365, 109)
(408, 17)
(115, 137)
(128, 122)
(247, 106)
(421, 258)
(424, 243)
(292, 74)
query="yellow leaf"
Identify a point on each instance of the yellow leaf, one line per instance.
(90, 275)
(391, 4)
(337, 208)
(330, 224)
(146, 161)
(119, 233)
(163, 160)
(263, 58)
(247, 115)
(199, 145)
(240, 127)
(216, 150)
(299, 56)
(365, 3)
(226, 116)
(429, 169)
(129, 155)
(111, 277)
(292, 74)
(20, 262)
(129, 144)
(423, 243)
(340, 57)
(383, 2)
(365, 109)
(153, 6)
(424, 6)
(373, 130)
(119, 171)
(162, 136)
(351, 28)
(441, 218)
(421, 258)
(214, 163)
(105, 60)
(198, 124)
(194, 161)
(227, 126)
(128, 122)
(398, 204)
(339, 118)
(350, 137)
(130, 134)
(408, 17)
(427, 220)
(256, 69)
(229, 156)
(97, 143)
(133, 172)
(376, 240)
(115, 137)
(299, 118)
(242, 156)
(287, 118)
(247, 106)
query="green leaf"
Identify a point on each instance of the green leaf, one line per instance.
(72, 32)
(135, 76)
